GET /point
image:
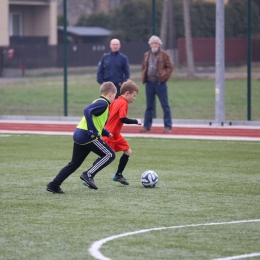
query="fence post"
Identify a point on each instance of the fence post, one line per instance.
(249, 61)
(65, 55)
(154, 32)
(220, 63)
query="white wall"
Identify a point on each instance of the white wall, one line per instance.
(4, 28)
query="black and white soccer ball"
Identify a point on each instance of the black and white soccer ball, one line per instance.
(149, 179)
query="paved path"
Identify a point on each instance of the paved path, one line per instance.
(251, 133)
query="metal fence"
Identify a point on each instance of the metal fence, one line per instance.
(204, 51)
(80, 55)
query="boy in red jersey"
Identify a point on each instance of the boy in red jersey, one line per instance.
(118, 117)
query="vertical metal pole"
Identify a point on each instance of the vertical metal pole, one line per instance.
(220, 64)
(65, 55)
(249, 61)
(154, 31)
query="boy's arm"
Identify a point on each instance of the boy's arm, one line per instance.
(128, 121)
(105, 132)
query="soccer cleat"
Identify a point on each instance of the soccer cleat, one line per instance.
(54, 189)
(120, 178)
(89, 181)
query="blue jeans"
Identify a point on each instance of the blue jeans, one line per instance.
(159, 89)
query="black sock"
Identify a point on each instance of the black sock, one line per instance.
(122, 164)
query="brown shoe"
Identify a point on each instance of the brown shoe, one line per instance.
(144, 130)
(167, 130)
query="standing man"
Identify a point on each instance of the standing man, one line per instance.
(113, 66)
(156, 70)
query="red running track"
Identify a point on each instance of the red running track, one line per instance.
(231, 131)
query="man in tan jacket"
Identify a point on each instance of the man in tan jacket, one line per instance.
(156, 70)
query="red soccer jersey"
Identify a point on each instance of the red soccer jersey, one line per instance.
(117, 110)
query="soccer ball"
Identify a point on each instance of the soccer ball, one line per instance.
(149, 179)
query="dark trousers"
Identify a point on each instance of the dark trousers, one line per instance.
(160, 89)
(118, 90)
(80, 152)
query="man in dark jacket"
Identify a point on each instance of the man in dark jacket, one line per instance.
(114, 67)
(156, 70)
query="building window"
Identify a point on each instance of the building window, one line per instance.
(15, 24)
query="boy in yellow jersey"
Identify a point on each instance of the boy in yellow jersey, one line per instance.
(87, 138)
(117, 117)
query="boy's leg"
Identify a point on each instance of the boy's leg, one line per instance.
(122, 163)
(106, 154)
(79, 154)
(121, 166)
(96, 161)
(122, 145)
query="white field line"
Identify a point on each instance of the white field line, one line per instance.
(239, 256)
(35, 132)
(94, 249)
(198, 137)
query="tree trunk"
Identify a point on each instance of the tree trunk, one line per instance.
(172, 32)
(188, 38)
(164, 27)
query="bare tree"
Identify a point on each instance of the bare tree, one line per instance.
(171, 46)
(164, 26)
(188, 38)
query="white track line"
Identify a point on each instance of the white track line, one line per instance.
(94, 249)
(198, 137)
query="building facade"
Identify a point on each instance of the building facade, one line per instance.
(21, 20)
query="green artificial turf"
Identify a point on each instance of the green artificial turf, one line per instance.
(189, 99)
(200, 181)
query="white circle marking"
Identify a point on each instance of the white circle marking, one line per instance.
(94, 249)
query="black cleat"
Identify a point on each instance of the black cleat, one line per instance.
(89, 181)
(120, 178)
(54, 189)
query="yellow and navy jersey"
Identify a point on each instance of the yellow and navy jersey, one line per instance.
(92, 123)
